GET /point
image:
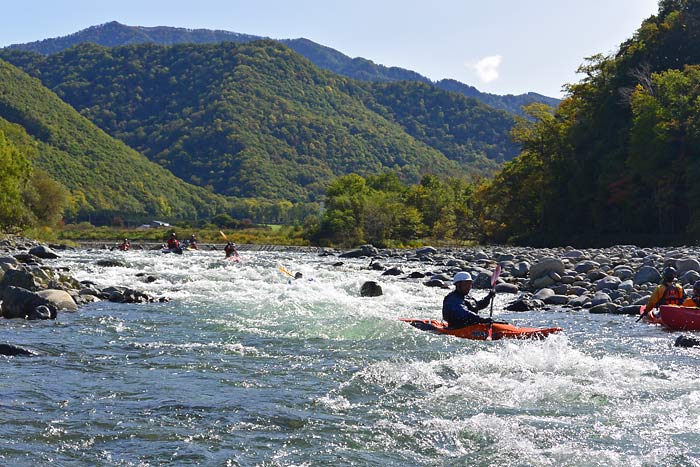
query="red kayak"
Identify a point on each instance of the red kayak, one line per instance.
(480, 331)
(680, 318)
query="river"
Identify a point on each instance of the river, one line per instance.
(244, 367)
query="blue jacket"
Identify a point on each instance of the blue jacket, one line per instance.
(461, 310)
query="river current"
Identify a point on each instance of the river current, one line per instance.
(245, 367)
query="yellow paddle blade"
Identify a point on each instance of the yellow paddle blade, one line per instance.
(223, 235)
(285, 271)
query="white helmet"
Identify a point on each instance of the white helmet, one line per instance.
(462, 276)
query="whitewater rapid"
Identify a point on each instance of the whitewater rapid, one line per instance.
(245, 366)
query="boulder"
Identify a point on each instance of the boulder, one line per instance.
(542, 282)
(524, 304)
(686, 342)
(18, 278)
(521, 269)
(14, 351)
(608, 282)
(599, 298)
(61, 299)
(111, 263)
(371, 289)
(416, 275)
(604, 308)
(22, 303)
(628, 310)
(426, 251)
(392, 272)
(557, 300)
(436, 283)
(543, 294)
(545, 266)
(647, 274)
(506, 288)
(43, 252)
(684, 265)
(585, 266)
(690, 277)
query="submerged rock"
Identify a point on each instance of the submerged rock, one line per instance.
(371, 289)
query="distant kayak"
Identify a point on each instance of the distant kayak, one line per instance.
(680, 318)
(480, 331)
(177, 251)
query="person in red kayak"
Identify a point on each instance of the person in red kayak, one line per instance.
(669, 292)
(460, 309)
(173, 242)
(694, 301)
(230, 250)
(125, 245)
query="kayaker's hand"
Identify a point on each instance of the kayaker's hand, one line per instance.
(492, 293)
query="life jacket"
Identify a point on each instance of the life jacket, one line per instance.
(173, 243)
(673, 295)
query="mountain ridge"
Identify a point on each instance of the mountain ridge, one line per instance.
(114, 33)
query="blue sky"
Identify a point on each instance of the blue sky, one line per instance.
(498, 46)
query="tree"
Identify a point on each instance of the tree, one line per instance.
(15, 170)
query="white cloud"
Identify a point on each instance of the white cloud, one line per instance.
(487, 68)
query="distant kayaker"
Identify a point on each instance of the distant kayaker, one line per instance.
(192, 243)
(230, 250)
(694, 301)
(173, 242)
(460, 309)
(669, 292)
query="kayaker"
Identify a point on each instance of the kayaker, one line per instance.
(230, 250)
(193, 242)
(460, 309)
(694, 301)
(125, 245)
(173, 242)
(669, 292)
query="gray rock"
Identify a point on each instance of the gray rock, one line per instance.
(22, 303)
(574, 254)
(627, 285)
(595, 275)
(543, 294)
(392, 272)
(604, 308)
(111, 263)
(579, 302)
(43, 252)
(557, 300)
(628, 310)
(690, 277)
(426, 251)
(608, 282)
(687, 264)
(545, 266)
(600, 297)
(577, 290)
(520, 269)
(18, 278)
(585, 266)
(436, 283)
(647, 274)
(416, 275)
(506, 288)
(61, 299)
(542, 282)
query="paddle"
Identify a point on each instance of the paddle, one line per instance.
(646, 312)
(494, 278)
(285, 271)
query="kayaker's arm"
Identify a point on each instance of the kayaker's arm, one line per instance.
(484, 302)
(655, 298)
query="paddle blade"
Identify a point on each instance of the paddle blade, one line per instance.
(285, 271)
(223, 234)
(494, 276)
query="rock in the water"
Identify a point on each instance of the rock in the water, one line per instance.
(436, 283)
(426, 251)
(60, 298)
(371, 289)
(416, 275)
(392, 272)
(22, 303)
(14, 350)
(111, 263)
(43, 252)
(604, 308)
(506, 288)
(686, 342)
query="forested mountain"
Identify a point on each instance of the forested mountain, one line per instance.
(115, 34)
(509, 102)
(259, 120)
(105, 177)
(620, 158)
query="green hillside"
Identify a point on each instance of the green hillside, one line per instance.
(115, 34)
(258, 120)
(619, 160)
(104, 176)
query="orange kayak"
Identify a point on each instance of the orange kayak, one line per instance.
(680, 318)
(480, 331)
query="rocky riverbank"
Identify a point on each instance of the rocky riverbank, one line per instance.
(607, 280)
(29, 289)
